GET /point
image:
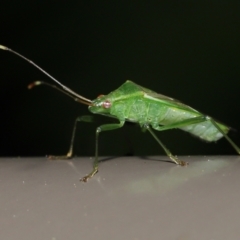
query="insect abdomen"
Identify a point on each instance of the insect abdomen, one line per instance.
(204, 130)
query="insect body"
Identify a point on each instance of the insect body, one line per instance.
(134, 103)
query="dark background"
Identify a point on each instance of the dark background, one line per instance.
(189, 50)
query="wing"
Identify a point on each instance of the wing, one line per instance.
(131, 89)
(171, 102)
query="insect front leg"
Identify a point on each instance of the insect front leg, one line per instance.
(169, 154)
(86, 118)
(102, 128)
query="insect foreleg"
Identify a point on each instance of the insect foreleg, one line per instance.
(102, 128)
(86, 118)
(169, 154)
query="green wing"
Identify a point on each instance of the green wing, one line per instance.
(171, 102)
(131, 89)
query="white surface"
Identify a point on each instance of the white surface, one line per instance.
(130, 198)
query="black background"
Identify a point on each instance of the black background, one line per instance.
(188, 50)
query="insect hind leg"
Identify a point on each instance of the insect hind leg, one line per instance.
(85, 118)
(171, 126)
(169, 154)
(196, 120)
(224, 134)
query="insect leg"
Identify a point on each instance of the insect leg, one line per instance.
(195, 120)
(86, 118)
(169, 154)
(181, 123)
(224, 134)
(105, 127)
(170, 126)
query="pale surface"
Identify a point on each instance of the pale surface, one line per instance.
(130, 198)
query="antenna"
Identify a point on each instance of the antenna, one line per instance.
(78, 98)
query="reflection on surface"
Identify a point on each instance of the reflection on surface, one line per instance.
(166, 180)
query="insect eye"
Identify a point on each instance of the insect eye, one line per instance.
(99, 96)
(106, 104)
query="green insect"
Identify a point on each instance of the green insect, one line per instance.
(134, 103)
